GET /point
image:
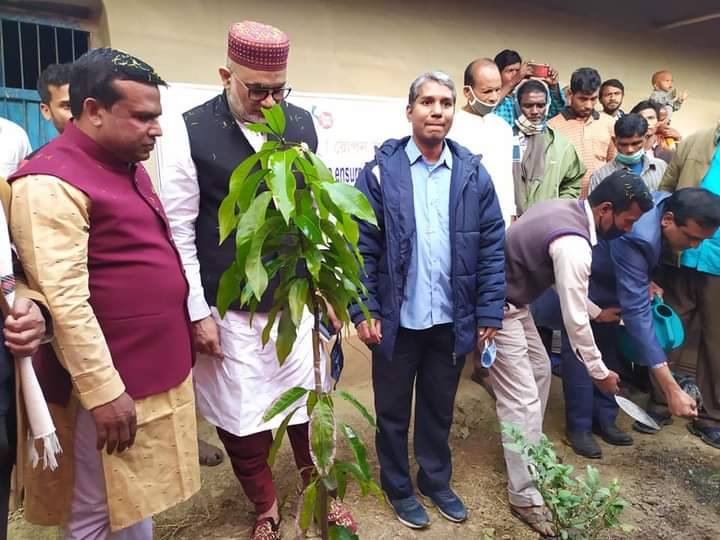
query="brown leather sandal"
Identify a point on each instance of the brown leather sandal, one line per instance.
(538, 518)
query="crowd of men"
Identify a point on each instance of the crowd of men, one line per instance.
(522, 211)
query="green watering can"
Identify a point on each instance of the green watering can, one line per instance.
(668, 329)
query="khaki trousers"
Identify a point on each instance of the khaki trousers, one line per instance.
(521, 379)
(695, 296)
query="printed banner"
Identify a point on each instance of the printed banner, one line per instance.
(349, 128)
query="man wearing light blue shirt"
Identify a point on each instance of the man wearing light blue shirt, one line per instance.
(428, 276)
(434, 273)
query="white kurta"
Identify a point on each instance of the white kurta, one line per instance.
(490, 137)
(235, 392)
(14, 147)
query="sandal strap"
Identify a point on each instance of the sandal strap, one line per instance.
(266, 529)
(340, 515)
(537, 517)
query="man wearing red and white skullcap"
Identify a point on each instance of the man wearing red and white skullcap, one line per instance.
(236, 378)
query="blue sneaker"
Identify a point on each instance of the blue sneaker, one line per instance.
(448, 504)
(410, 512)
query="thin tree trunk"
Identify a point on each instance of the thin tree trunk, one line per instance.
(317, 364)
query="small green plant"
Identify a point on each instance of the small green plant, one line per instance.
(293, 223)
(581, 507)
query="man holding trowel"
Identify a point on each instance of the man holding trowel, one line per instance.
(622, 271)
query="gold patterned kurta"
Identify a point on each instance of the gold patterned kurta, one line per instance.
(50, 225)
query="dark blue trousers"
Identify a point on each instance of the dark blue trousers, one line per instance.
(584, 403)
(422, 361)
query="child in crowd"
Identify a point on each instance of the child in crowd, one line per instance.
(668, 137)
(668, 97)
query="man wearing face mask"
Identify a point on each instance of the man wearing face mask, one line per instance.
(236, 376)
(629, 140)
(621, 276)
(488, 136)
(484, 133)
(551, 245)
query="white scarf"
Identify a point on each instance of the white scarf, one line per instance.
(36, 409)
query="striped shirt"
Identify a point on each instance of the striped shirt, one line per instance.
(652, 172)
(591, 137)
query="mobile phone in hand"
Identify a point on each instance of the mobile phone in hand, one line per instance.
(540, 71)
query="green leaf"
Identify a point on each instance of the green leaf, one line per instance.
(308, 508)
(270, 322)
(322, 437)
(227, 217)
(246, 192)
(287, 332)
(281, 181)
(228, 289)
(260, 128)
(297, 298)
(311, 402)
(278, 438)
(254, 268)
(352, 230)
(275, 118)
(317, 196)
(337, 532)
(241, 172)
(341, 477)
(283, 402)
(270, 145)
(309, 229)
(323, 173)
(359, 406)
(330, 482)
(350, 200)
(253, 218)
(356, 471)
(358, 449)
(313, 261)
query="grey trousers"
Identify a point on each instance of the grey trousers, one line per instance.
(89, 517)
(521, 380)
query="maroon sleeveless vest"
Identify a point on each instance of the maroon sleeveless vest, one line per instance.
(138, 289)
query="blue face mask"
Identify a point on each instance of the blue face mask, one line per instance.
(488, 355)
(632, 159)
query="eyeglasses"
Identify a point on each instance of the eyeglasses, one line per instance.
(260, 94)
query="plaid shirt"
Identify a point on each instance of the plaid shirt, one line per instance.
(506, 108)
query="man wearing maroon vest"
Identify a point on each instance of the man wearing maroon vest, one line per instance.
(92, 237)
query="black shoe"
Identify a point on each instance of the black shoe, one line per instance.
(584, 444)
(662, 420)
(611, 434)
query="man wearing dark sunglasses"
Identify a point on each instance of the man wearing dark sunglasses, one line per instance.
(236, 377)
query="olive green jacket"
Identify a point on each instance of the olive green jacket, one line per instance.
(692, 160)
(563, 173)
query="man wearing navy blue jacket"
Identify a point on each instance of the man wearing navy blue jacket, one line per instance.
(622, 270)
(436, 289)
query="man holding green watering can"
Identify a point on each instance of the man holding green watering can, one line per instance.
(622, 272)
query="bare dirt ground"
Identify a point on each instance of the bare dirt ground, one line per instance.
(672, 480)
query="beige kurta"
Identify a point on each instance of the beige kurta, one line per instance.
(50, 225)
(22, 291)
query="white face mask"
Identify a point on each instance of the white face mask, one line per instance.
(480, 107)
